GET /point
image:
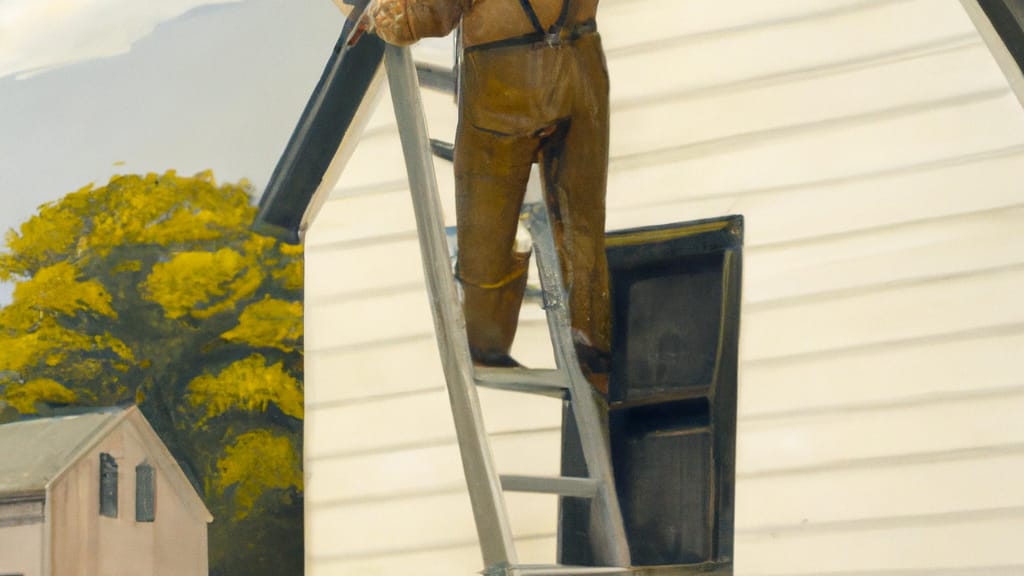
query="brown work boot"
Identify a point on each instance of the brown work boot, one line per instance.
(493, 359)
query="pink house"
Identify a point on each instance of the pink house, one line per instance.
(96, 494)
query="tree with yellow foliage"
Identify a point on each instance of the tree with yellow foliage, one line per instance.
(153, 289)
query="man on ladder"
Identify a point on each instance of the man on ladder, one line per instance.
(534, 88)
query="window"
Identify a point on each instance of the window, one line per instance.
(145, 493)
(108, 485)
(672, 413)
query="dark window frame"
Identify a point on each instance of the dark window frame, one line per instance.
(145, 493)
(108, 485)
(676, 310)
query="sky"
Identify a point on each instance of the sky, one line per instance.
(94, 88)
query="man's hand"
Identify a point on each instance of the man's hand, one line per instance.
(387, 18)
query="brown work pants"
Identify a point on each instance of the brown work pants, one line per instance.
(519, 105)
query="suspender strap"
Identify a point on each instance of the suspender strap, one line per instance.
(536, 38)
(557, 26)
(528, 8)
(532, 15)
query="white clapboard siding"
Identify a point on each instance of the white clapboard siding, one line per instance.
(815, 208)
(424, 470)
(428, 561)
(859, 494)
(398, 524)
(975, 544)
(875, 151)
(896, 374)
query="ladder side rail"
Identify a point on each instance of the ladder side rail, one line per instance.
(585, 405)
(485, 491)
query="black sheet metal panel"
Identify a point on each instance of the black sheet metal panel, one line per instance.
(672, 397)
(328, 116)
(1007, 17)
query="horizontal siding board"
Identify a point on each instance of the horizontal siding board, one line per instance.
(704, 117)
(947, 543)
(884, 315)
(827, 439)
(368, 218)
(671, 20)
(976, 570)
(369, 319)
(367, 268)
(440, 520)
(807, 211)
(951, 246)
(420, 418)
(802, 43)
(878, 376)
(849, 495)
(367, 371)
(459, 559)
(372, 372)
(463, 558)
(433, 469)
(855, 146)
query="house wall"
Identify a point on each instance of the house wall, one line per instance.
(21, 538)
(875, 150)
(88, 544)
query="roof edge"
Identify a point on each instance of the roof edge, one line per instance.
(22, 495)
(88, 443)
(176, 476)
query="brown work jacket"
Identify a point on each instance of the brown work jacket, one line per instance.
(483, 21)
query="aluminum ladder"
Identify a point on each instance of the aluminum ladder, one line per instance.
(486, 486)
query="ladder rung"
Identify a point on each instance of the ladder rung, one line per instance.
(562, 570)
(564, 485)
(545, 382)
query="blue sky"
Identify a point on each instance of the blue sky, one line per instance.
(94, 88)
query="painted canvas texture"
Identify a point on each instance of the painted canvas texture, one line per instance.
(872, 154)
(132, 158)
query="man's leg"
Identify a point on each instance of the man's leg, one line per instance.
(491, 171)
(575, 168)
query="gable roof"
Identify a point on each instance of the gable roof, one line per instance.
(35, 453)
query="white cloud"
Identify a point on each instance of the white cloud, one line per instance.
(37, 35)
